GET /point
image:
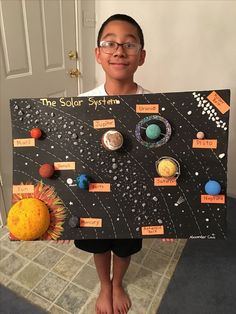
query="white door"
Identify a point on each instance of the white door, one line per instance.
(39, 44)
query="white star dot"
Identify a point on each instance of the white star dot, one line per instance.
(69, 181)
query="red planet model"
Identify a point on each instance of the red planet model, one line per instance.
(35, 133)
(46, 170)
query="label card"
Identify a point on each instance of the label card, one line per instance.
(160, 181)
(218, 102)
(148, 108)
(21, 189)
(70, 165)
(102, 124)
(90, 222)
(99, 187)
(24, 142)
(152, 230)
(213, 199)
(204, 143)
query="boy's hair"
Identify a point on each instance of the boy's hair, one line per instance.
(121, 17)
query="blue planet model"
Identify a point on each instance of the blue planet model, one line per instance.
(153, 131)
(212, 187)
(83, 181)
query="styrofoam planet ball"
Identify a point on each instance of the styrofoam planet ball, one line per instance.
(28, 219)
(153, 131)
(212, 187)
(83, 181)
(167, 168)
(112, 140)
(46, 170)
(36, 133)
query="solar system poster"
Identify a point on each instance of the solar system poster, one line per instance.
(127, 194)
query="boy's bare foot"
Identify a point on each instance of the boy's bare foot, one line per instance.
(121, 300)
(104, 300)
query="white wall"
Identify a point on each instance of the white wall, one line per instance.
(191, 45)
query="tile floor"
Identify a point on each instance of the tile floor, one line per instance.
(62, 279)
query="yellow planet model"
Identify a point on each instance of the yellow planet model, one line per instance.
(28, 219)
(167, 168)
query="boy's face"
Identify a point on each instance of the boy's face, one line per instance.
(121, 64)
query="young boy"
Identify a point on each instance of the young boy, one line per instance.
(120, 52)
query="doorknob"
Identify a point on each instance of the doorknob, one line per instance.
(73, 55)
(74, 73)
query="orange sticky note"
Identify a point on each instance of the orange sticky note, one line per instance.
(21, 189)
(102, 124)
(24, 142)
(147, 108)
(90, 222)
(152, 230)
(70, 165)
(213, 199)
(160, 181)
(99, 187)
(218, 102)
(205, 143)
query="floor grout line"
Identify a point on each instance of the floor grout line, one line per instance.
(71, 282)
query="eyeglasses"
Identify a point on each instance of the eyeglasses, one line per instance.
(110, 47)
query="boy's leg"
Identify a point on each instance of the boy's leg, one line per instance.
(103, 265)
(121, 301)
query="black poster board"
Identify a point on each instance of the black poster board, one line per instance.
(139, 203)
